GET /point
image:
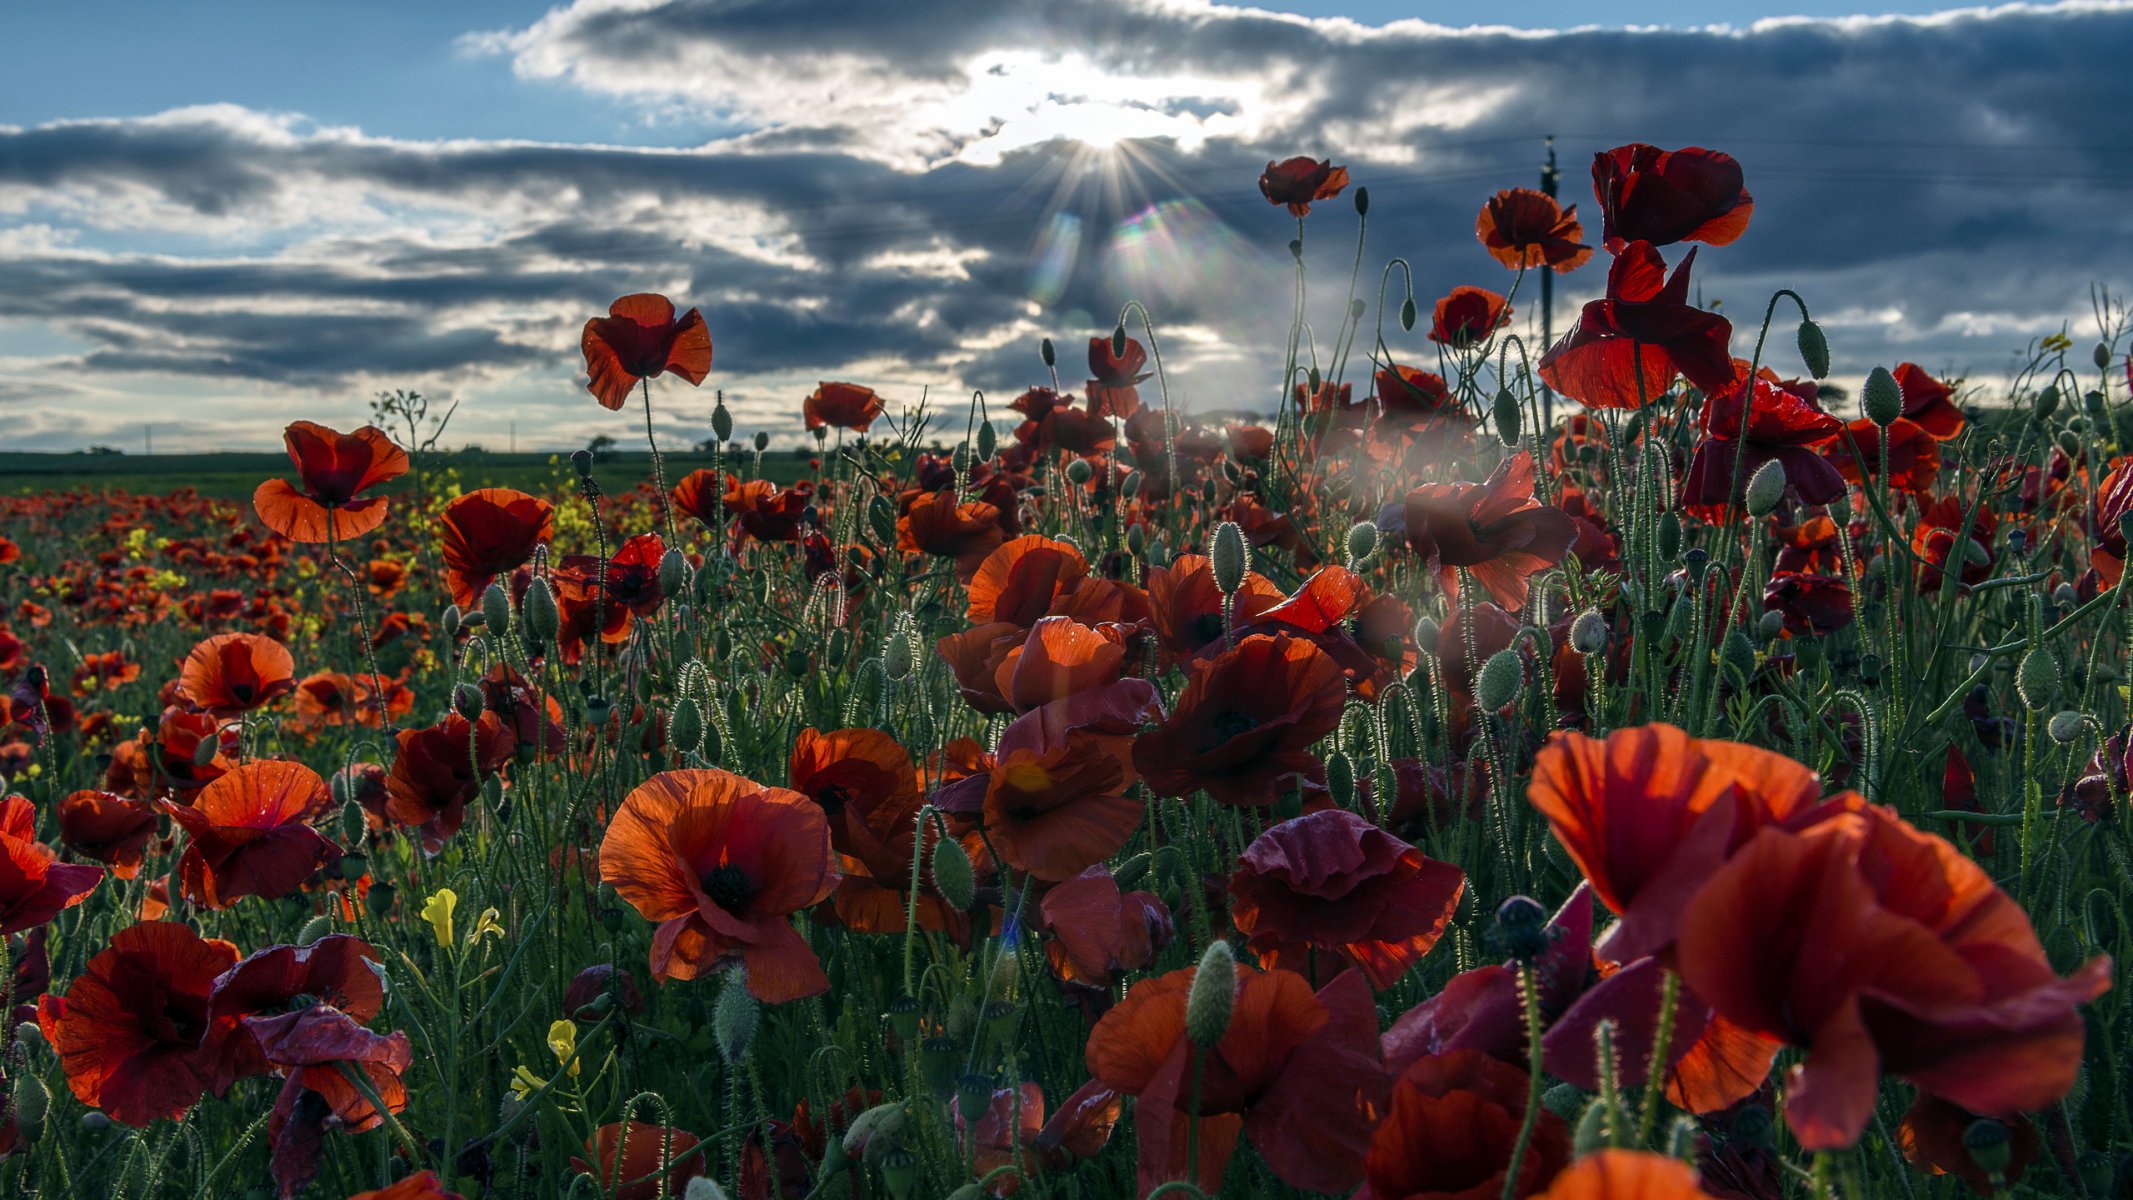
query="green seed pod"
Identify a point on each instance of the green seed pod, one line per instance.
(1231, 558)
(673, 572)
(1989, 1145)
(1883, 400)
(899, 1171)
(2048, 401)
(1213, 995)
(1362, 542)
(543, 619)
(900, 657)
(952, 876)
(2065, 727)
(735, 1018)
(2098, 1171)
(1340, 778)
(1814, 349)
(1589, 633)
(496, 608)
(1508, 416)
(1502, 678)
(2037, 679)
(1407, 315)
(354, 822)
(1765, 488)
(1079, 472)
(685, 726)
(1669, 535)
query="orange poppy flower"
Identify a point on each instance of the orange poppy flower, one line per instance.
(866, 769)
(1450, 1130)
(1928, 403)
(877, 833)
(639, 339)
(1186, 606)
(1663, 196)
(34, 885)
(231, 674)
(335, 469)
(1495, 530)
(2114, 498)
(1058, 658)
(422, 1185)
(1245, 722)
(108, 829)
(438, 770)
(128, 1030)
(843, 405)
(935, 524)
(1914, 456)
(333, 698)
(625, 1159)
(1020, 580)
(488, 533)
(1055, 801)
(1626, 1175)
(1522, 228)
(1466, 316)
(1297, 182)
(765, 511)
(974, 657)
(722, 863)
(1334, 882)
(248, 833)
(1879, 948)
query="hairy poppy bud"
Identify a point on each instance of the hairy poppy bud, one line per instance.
(1130, 486)
(353, 822)
(1883, 400)
(466, 701)
(1814, 349)
(899, 658)
(1501, 679)
(1589, 633)
(1340, 778)
(1362, 542)
(2037, 678)
(1231, 558)
(1407, 314)
(734, 1020)
(1426, 634)
(762, 439)
(1765, 488)
(1738, 657)
(702, 1188)
(1989, 1146)
(2069, 443)
(1079, 472)
(1362, 202)
(673, 572)
(988, 440)
(1770, 624)
(2101, 355)
(539, 609)
(1669, 535)
(496, 608)
(685, 728)
(1136, 541)
(952, 875)
(881, 519)
(1507, 417)
(1213, 995)
(314, 929)
(2047, 401)
(1045, 352)
(31, 1103)
(451, 621)
(205, 750)
(2066, 726)
(722, 422)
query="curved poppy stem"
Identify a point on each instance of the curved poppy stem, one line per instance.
(659, 469)
(370, 652)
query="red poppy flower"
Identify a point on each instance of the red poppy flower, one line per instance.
(422, 1185)
(109, 829)
(722, 863)
(1451, 1128)
(1245, 722)
(1494, 530)
(1187, 608)
(936, 524)
(625, 1159)
(1412, 398)
(1100, 932)
(488, 533)
(438, 770)
(1060, 657)
(1112, 389)
(1079, 1130)
(1070, 430)
(1022, 580)
(2114, 498)
(231, 674)
(1522, 228)
(630, 579)
(1055, 803)
(1785, 426)
(1664, 196)
(1627, 347)
(1914, 457)
(316, 1048)
(1626, 1175)
(1877, 947)
(877, 833)
(1934, 540)
(1812, 605)
(248, 833)
(864, 769)
(335, 468)
(332, 698)
(105, 672)
(1467, 316)
(334, 970)
(1931, 1137)
(843, 405)
(34, 885)
(1297, 1073)
(1299, 181)
(639, 339)
(763, 510)
(1332, 881)
(1928, 403)
(128, 1030)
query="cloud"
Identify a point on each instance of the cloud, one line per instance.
(914, 193)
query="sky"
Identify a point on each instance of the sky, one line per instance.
(219, 217)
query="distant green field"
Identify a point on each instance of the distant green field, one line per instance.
(235, 476)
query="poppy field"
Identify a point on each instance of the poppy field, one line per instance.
(1627, 767)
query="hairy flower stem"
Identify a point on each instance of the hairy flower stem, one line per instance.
(1529, 1000)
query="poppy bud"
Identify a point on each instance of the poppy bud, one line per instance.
(1600, 1116)
(1426, 633)
(988, 440)
(673, 572)
(1770, 624)
(1231, 558)
(1340, 778)
(1296, 249)
(1045, 352)
(31, 1103)
(466, 701)
(451, 621)
(1521, 929)
(1589, 633)
(1669, 534)
(881, 519)
(1362, 542)
(1814, 349)
(685, 727)
(1118, 341)
(702, 1188)
(2065, 596)
(1362, 202)
(205, 749)
(1765, 488)
(2069, 443)
(95, 1122)
(2037, 678)
(314, 929)
(899, 658)
(1213, 995)
(2048, 401)
(539, 610)
(1407, 314)
(1507, 417)
(1989, 1146)
(1883, 400)
(722, 422)
(1738, 657)
(952, 876)
(734, 1019)
(1136, 538)
(2066, 726)
(496, 608)
(581, 461)
(1502, 677)
(352, 822)
(2101, 355)
(969, 1191)
(762, 439)
(1356, 309)
(1079, 472)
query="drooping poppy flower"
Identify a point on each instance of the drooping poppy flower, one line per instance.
(1297, 1073)
(1626, 1175)
(1297, 182)
(1468, 316)
(1914, 457)
(109, 829)
(34, 885)
(1931, 1137)
(1187, 609)
(334, 970)
(1880, 948)
(1522, 228)
(1627, 347)
(722, 863)
(335, 468)
(439, 769)
(1785, 426)
(128, 1031)
(936, 524)
(640, 1154)
(1664, 196)
(842, 405)
(1114, 378)
(1055, 802)
(1079, 1130)
(1245, 722)
(231, 674)
(639, 339)
(1812, 605)
(487, 533)
(1928, 403)
(1450, 1130)
(1494, 530)
(248, 833)
(1332, 882)
(1099, 931)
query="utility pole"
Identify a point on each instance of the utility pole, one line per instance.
(1549, 178)
(148, 437)
(514, 437)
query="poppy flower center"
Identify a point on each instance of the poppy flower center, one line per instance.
(242, 692)
(728, 887)
(1231, 725)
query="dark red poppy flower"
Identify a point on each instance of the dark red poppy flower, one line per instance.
(1055, 801)
(629, 581)
(1297, 1073)
(128, 1031)
(249, 833)
(1627, 347)
(1468, 316)
(1413, 399)
(108, 829)
(438, 770)
(1931, 1137)
(1299, 181)
(936, 524)
(1879, 948)
(1245, 722)
(1928, 403)
(34, 885)
(335, 970)
(488, 533)
(1914, 457)
(843, 406)
(764, 511)
(1664, 196)
(1187, 609)
(231, 674)
(1935, 540)
(1332, 882)
(1785, 426)
(639, 339)
(721, 863)
(1112, 388)
(1080, 431)
(2114, 499)
(1812, 605)
(1451, 1128)
(1494, 530)
(1079, 1130)
(1523, 229)
(1099, 932)
(626, 1158)
(596, 986)
(335, 469)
